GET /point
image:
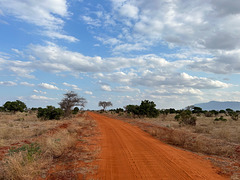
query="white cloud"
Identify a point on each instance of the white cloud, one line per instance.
(106, 88)
(58, 35)
(41, 92)
(41, 13)
(73, 86)
(48, 86)
(90, 21)
(8, 83)
(126, 89)
(88, 92)
(48, 14)
(35, 97)
(27, 84)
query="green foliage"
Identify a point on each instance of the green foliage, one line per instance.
(50, 113)
(186, 118)
(2, 109)
(148, 109)
(211, 113)
(234, 116)
(197, 110)
(75, 110)
(220, 119)
(15, 106)
(222, 111)
(70, 100)
(177, 117)
(229, 111)
(30, 149)
(133, 109)
(172, 111)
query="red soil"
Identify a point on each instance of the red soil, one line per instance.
(130, 153)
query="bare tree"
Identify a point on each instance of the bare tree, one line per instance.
(104, 104)
(70, 100)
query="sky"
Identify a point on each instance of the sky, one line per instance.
(173, 52)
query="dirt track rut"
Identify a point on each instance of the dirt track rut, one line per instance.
(130, 153)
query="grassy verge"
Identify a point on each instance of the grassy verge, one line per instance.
(33, 159)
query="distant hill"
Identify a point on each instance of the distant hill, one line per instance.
(217, 105)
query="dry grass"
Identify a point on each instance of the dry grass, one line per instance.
(52, 141)
(22, 126)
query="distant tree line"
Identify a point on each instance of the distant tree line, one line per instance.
(68, 105)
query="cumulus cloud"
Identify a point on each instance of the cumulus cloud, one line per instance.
(206, 29)
(125, 89)
(73, 86)
(48, 14)
(8, 83)
(48, 86)
(41, 92)
(88, 92)
(27, 84)
(36, 97)
(106, 87)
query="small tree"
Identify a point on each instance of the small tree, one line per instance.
(75, 110)
(186, 118)
(15, 106)
(50, 113)
(104, 104)
(70, 100)
(148, 109)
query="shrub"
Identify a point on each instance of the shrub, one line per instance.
(186, 118)
(15, 106)
(50, 113)
(220, 119)
(75, 110)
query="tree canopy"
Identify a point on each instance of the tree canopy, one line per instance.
(14, 106)
(104, 104)
(70, 100)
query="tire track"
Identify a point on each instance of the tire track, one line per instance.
(130, 153)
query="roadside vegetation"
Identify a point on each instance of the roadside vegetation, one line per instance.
(32, 140)
(209, 132)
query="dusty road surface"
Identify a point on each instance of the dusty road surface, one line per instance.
(130, 153)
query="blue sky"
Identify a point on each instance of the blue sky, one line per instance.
(173, 52)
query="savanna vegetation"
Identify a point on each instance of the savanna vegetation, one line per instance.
(209, 132)
(32, 140)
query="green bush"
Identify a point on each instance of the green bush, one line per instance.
(50, 113)
(186, 118)
(15, 106)
(220, 119)
(75, 110)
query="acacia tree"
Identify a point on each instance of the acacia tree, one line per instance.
(70, 100)
(104, 104)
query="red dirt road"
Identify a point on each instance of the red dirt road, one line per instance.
(130, 153)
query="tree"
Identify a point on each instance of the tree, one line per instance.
(50, 113)
(134, 109)
(104, 104)
(70, 100)
(197, 110)
(15, 106)
(148, 108)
